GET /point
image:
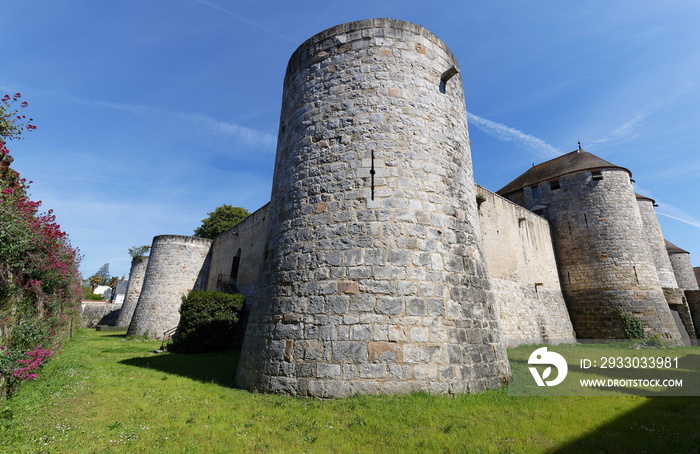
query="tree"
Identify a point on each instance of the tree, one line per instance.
(220, 220)
(103, 273)
(94, 282)
(138, 251)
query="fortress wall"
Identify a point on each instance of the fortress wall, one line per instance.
(677, 301)
(249, 236)
(655, 238)
(521, 262)
(133, 291)
(683, 270)
(517, 242)
(604, 259)
(693, 299)
(374, 279)
(531, 315)
(177, 265)
(98, 313)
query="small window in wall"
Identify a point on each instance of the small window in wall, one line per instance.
(235, 265)
(536, 192)
(541, 212)
(554, 185)
(597, 175)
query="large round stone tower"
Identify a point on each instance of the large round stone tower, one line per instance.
(133, 291)
(604, 258)
(176, 265)
(374, 278)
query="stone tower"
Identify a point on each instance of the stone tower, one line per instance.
(601, 248)
(176, 265)
(656, 241)
(682, 268)
(136, 275)
(374, 278)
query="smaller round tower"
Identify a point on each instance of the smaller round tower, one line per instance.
(655, 238)
(682, 268)
(605, 263)
(177, 265)
(136, 275)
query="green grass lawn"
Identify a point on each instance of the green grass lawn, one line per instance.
(104, 394)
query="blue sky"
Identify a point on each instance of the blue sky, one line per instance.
(152, 113)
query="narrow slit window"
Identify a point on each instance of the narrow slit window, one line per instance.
(535, 192)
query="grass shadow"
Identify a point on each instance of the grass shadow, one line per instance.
(217, 367)
(661, 425)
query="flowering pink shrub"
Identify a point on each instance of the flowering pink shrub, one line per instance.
(39, 280)
(33, 361)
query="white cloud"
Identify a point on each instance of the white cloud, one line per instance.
(247, 21)
(508, 134)
(672, 212)
(201, 123)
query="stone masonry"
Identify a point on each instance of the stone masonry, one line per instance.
(136, 276)
(655, 239)
(603, 265)
(683, 269)
(524, 277)
(177, 265)
(245, 243)
(374, 278)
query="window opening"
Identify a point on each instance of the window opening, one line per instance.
(554, 185)
(447, 75)
(535, 192)
(235, 265)
(597, 175)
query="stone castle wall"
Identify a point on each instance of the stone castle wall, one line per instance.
(683, 270)
(597, 228)
(655, 239)
(374, 277)
(248, 237)
(177, 265)
(693, 300)
(520, 257)
(133, 291)
(93, 313)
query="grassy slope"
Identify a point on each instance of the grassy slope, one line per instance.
(103, 394)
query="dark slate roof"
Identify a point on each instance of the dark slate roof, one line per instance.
(121, 287)
(697, 274)
(576, 161)
(641, 197)
(673, 249)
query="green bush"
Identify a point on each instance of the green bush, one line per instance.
(89, 296)
(634, 329)
(208, 321)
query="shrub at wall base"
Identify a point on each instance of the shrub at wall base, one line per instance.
(208, 322)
